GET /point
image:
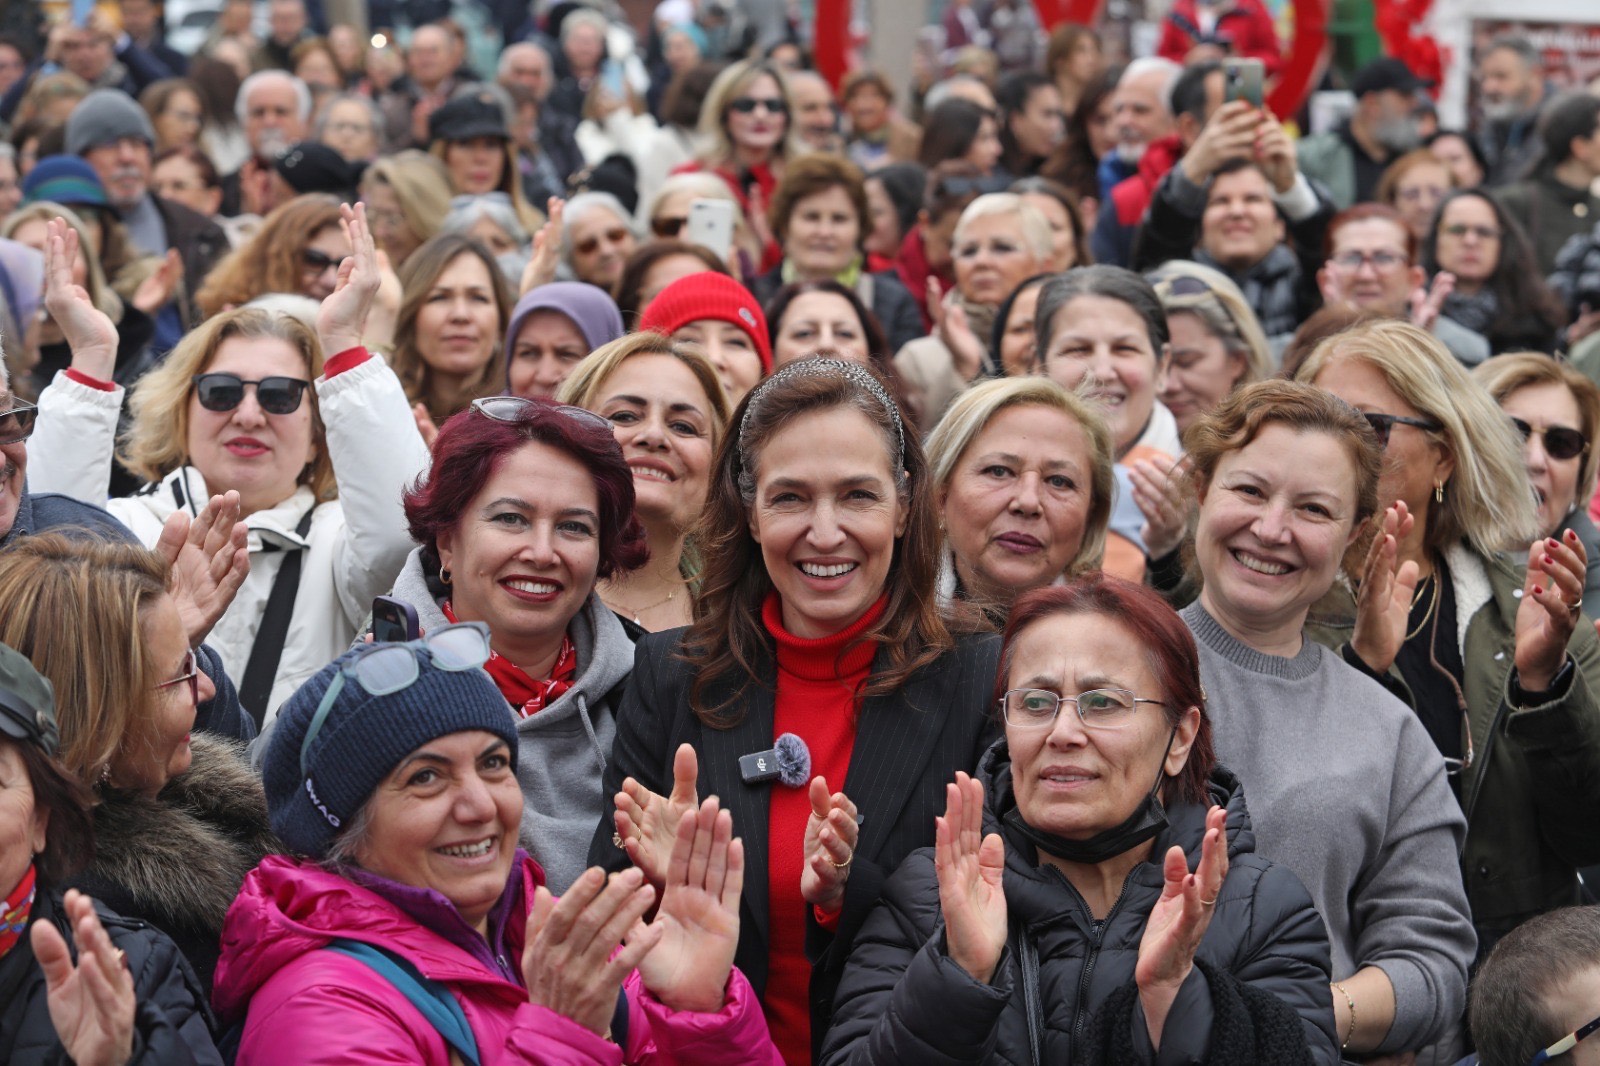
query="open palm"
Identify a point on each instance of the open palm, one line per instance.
(971, 868)
(88, 331)
(91, 1003)
(647, 823)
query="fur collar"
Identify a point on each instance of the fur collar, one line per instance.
(183, 855)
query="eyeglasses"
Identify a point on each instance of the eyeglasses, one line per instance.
(518, 408)
(224, 392)
(1560, 442)
(1354, 261)
(1098, 708)
(746, 105)
(190, 674)
(16, 424)
(349, 127)
(1460, 231)
(667, 228)
(318, 261)
(1383, 425)
(1566, 1043)
(590, 245)
(1421, 192)
(384, 669)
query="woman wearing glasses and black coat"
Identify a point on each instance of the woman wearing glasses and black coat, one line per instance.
(528, 505)
(312, 431)
(1095, 893)
(1489, 646)
(1345, 787)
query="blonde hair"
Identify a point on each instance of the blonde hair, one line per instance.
(421, 184)
(1512, 371)
(1487, 502)
(1223, 310)
(974, 409)
(77, 608)
(99, 289)
(582, 387)
(728, 87)
(157, 442)
(1036, 232)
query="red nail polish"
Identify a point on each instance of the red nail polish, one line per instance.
(1548, 561)
(1537, 591)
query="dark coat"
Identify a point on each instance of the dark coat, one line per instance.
(908, 746)
(883, 293)
(200, 243)
(177, 861)
(903, 1000)
(171, 1026)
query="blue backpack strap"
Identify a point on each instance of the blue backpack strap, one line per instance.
(435, 1002)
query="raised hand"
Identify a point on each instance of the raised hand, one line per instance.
(1230, 134)
(699, 914)
(1549, 611)
(209, 557)
(571, 963)
(1177, 923)
(647, 824)
(155, 291)
(541, 268)
(1274, 152)
(342, 319)
(1383, 602)
(1159, 494)
(970, 866)
(92, 1003)
(425, 424)
(1427, 302)
(88, 331)
(829, 848)
(953, 328)
(385, 313)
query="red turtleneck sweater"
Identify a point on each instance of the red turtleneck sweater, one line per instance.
(817, 701)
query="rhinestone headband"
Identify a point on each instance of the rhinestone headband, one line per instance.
(854, 373)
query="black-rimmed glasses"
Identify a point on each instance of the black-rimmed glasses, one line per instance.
(1382, 425)
(224, 392)
(16, 423)
(1560, 442)
(1566, 1043)
(1098, 708)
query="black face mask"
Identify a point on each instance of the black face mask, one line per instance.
(1148, 819)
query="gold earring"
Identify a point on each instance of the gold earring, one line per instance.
(1438, 492)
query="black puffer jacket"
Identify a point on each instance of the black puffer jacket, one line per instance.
(903, 1000)
(172, 1025)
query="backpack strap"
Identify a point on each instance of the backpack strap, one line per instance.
(435, 1002)
(261, 672)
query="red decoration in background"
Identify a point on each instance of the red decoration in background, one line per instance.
(1396, 20)
(832, 43)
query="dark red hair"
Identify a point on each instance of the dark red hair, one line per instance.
(471, 446)
(1370, 211)
(1168, 646)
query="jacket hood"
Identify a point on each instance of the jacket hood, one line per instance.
(290, 906)
(184, 489)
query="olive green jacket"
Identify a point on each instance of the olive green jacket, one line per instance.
(1532, 793)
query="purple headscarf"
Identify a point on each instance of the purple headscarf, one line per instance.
(590, 309)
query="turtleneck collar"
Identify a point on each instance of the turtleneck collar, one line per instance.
(839, 655)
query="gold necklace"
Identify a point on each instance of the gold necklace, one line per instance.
(1433, 579)
(636, 612)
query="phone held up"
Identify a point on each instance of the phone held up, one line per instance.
(1242, 80)
(394, 620)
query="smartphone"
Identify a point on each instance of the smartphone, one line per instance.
(611, 78)
(1242, 80)
(394, 620)
(711, 226)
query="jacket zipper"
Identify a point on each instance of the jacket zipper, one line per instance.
(1095, 942)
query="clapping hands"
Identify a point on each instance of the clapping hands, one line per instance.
(1178, 922)
(970, 866)
(91, 1001)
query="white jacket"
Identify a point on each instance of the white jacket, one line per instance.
(354, 547)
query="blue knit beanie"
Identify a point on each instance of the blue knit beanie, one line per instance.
(363, 738)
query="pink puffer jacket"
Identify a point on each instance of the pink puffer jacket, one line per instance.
(311, 1007)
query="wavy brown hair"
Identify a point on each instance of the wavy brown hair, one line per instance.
(418, 275)
(270, 260)
(728, 640)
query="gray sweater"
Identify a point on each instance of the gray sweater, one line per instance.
(1348, 791)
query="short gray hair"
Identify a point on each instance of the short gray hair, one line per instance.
(1169, 71)
(302, 92)
(374, 113)
(510, 53)
(941, 90)
(581, 205)
(1035, 227)
(1517, 44)
(494, 206)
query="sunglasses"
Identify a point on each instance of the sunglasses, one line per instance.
(667, 228)
(590, 245)
(1560, 442)
(519, 408)
(224, 392)
(190, 674)
(1383, 425)
(1566, 1043)
(746, 105)
(16, 425)
(318, 261)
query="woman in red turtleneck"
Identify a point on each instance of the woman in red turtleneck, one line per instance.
(817, 617)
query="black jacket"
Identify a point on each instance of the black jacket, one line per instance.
(172, 1026)
(200, 243)
(903, 1000)
(889, 301)
(908, 746)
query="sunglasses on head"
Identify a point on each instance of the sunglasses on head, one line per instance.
(590, 245)
(16, 424)
(1383, 425)
(224, 392)
(1560, 442)
(746, 105)
(318, 261)
(667, 228)
(518, 408)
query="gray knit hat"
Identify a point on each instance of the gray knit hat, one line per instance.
(106, 115)
(363, 737)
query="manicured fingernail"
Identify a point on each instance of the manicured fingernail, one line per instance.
(1548, 560)
(1553, 542)
(1537, 591)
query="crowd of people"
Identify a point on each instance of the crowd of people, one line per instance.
(647, 554)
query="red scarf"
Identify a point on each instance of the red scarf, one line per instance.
(14, 912)
(528, 695)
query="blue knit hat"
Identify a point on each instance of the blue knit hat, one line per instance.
(65, 180)
(363, 738)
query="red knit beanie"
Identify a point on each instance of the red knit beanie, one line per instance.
(709, 295)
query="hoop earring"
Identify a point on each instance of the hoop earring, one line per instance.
(444, 576)
(1438, 492)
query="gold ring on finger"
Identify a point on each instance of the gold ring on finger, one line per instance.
(843, 865)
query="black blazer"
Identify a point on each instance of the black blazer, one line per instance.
(908, 746)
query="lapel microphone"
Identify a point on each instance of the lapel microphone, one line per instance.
(788, 762)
